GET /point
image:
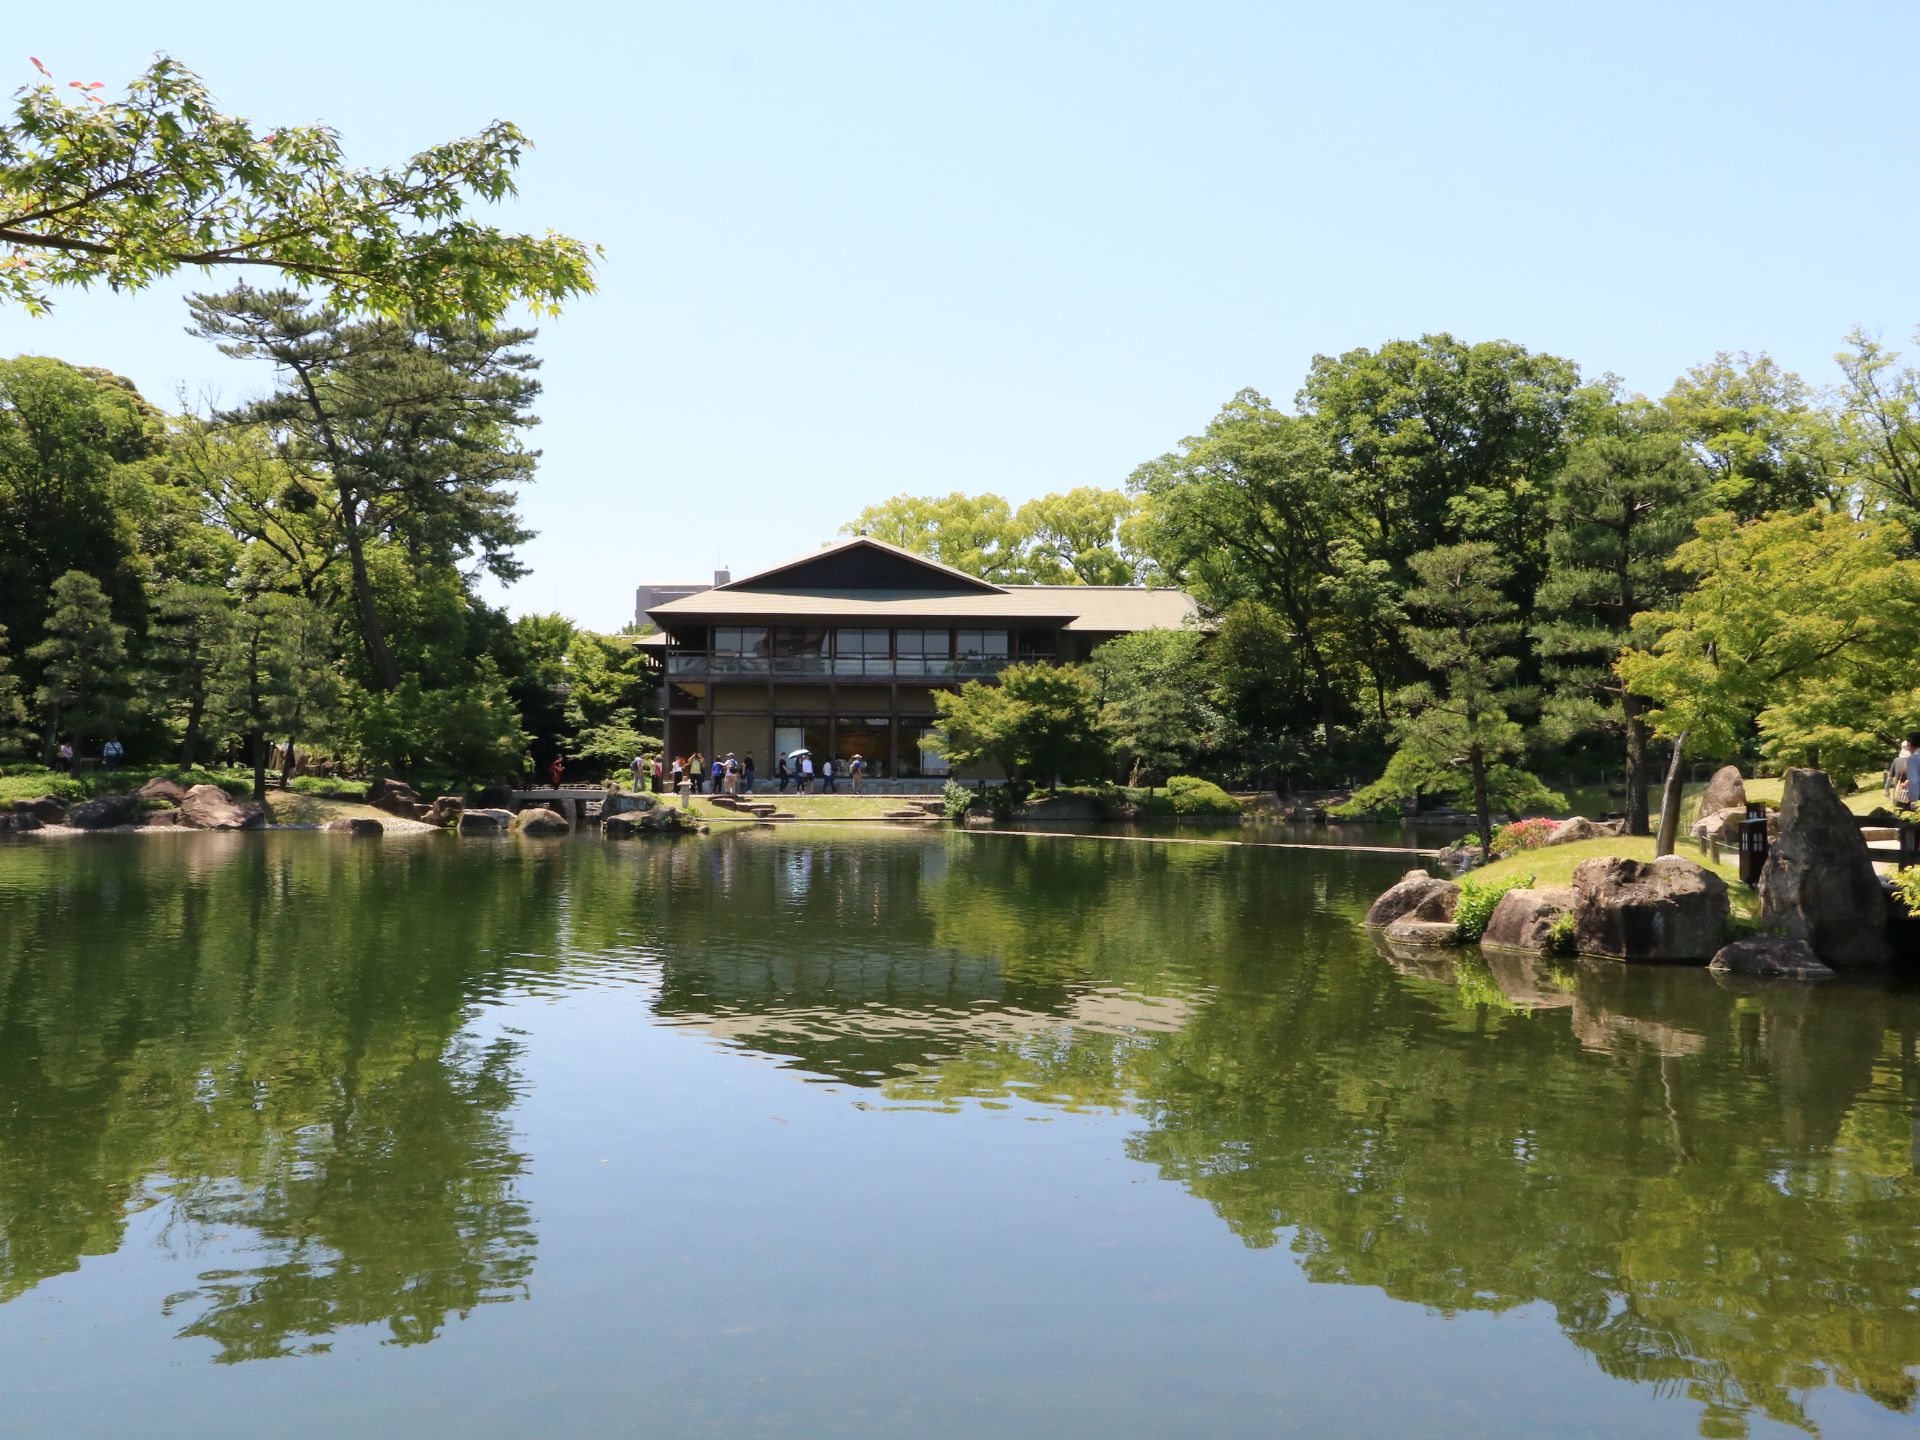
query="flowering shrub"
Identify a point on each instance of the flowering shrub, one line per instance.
(1522, 835)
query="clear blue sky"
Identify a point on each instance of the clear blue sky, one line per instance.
(859, 250)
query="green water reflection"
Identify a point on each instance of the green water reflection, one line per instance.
(300, 1053)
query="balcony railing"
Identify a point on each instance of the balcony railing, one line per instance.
(867, 667)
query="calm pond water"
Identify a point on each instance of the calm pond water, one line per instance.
(809, 1133)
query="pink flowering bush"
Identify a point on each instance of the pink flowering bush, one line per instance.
(1522, 835)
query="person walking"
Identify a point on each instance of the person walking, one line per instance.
(806, 773)
(64, 759)
(780, 772)
(639, 773)
(826, 777)
(746, 774)
(858, 770)
(1913, 767)
(1895, 786)
(718, 773)
(556, 770)
(111, 754)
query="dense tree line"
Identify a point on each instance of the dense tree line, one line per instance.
(297, 574)
(1448, 568)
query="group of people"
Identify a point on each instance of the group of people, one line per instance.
(111, 755)
(1902, 784)
(727, 775)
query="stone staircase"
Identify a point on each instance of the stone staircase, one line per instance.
(759, 809)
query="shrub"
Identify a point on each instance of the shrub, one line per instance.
(1522, 835)
(1906, 888)
(957, 798)
(1560, 939)
(1478, 899)
(1190, 795)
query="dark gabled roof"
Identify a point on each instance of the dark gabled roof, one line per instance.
(863, 563)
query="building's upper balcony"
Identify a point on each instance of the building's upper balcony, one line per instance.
(701, 664)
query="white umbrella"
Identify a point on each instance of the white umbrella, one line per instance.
(796, 754)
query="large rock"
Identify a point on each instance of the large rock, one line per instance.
(1722, 825)
(1412, 890)
(1725, 791)
(105, 812)
(1523, 918)
(538, 821)
(47, 809)
(656, 821)
(1412, 932)
(978, 820)
(396, 797)
(361, 825)
(622, 802)
(485, 821)
(168, 817)
(1581, 828)
(1819, 884)
(161, 788)
(17, 821)
(445, 811)
(1670, 909)
(1769, 956)
(208, 807)
(1071, 809)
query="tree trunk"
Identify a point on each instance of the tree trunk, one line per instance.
(190, 742)
(1637, 787)
(1670, 799)
(1481, 815)
(257, 743)
(52, 740)
(385, 675)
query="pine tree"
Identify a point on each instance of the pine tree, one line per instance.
(1461, 718)
(13, 710)
(84, 679)
(1621, 507)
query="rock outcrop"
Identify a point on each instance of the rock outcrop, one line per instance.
(1721, 825)
(445, 811)
(1725, 791)
(396, 797)
(1410, 892)
(1771, 956)
(1819, 884)
(47, 809)
(623, 802)
(1412, 932)
(1522, 919)
(105, 812)
(485, 822)
(539, 821)
(1669, 909)
(208, 807)
(361, 825)
(658, 820)
(18, 821)
(166, 818)
(160, 788)
(1581, 828)
(1071, 809)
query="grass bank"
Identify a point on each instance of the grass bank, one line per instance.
(1554, 865)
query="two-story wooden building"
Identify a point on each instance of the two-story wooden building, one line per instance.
(843, 650)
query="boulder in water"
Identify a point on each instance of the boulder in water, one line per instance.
(1523, 918)
(1411, 891)
(361, 825)
(105, 812)
(1669, 909)
(539, 821)
(1819, 884)
(208, 807)
(47, 809)
(18, 821)
(445, 811)
(1771, 956)
(485, 821)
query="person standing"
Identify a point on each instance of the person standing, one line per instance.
(1913, 767)
(718, 773)
(111, 754)
(1895, 786)
(806, 774)
(780, 772)
(678, 773)
(657, 769)
(696, 771)
(64, 759)
(556, 770)
(746, 774)
(858, 770)
(826, 776)
(639, 773)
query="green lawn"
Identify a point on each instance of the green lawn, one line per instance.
(1554, 864)
(805, 807)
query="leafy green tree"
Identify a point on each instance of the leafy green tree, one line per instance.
(127, 191)
(1804, 623)
(1156, 702)
(1460, 719)
(188, 633)
(410, 433)
(1880, 405)
(76, 449)
(1436, 441)
(1250, 512)
(1622, 505)
(13, 708)
(1039, 722)
(1078, 537)
(1757, 433)
(974, 533)
(83, 663)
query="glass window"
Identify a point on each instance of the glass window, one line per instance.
(861, 652)
(1034, 644)
(800, 649)
(740, 649)
(925, 761)
(980, 652)
(924, 652)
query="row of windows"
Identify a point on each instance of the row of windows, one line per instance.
(819, 643)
